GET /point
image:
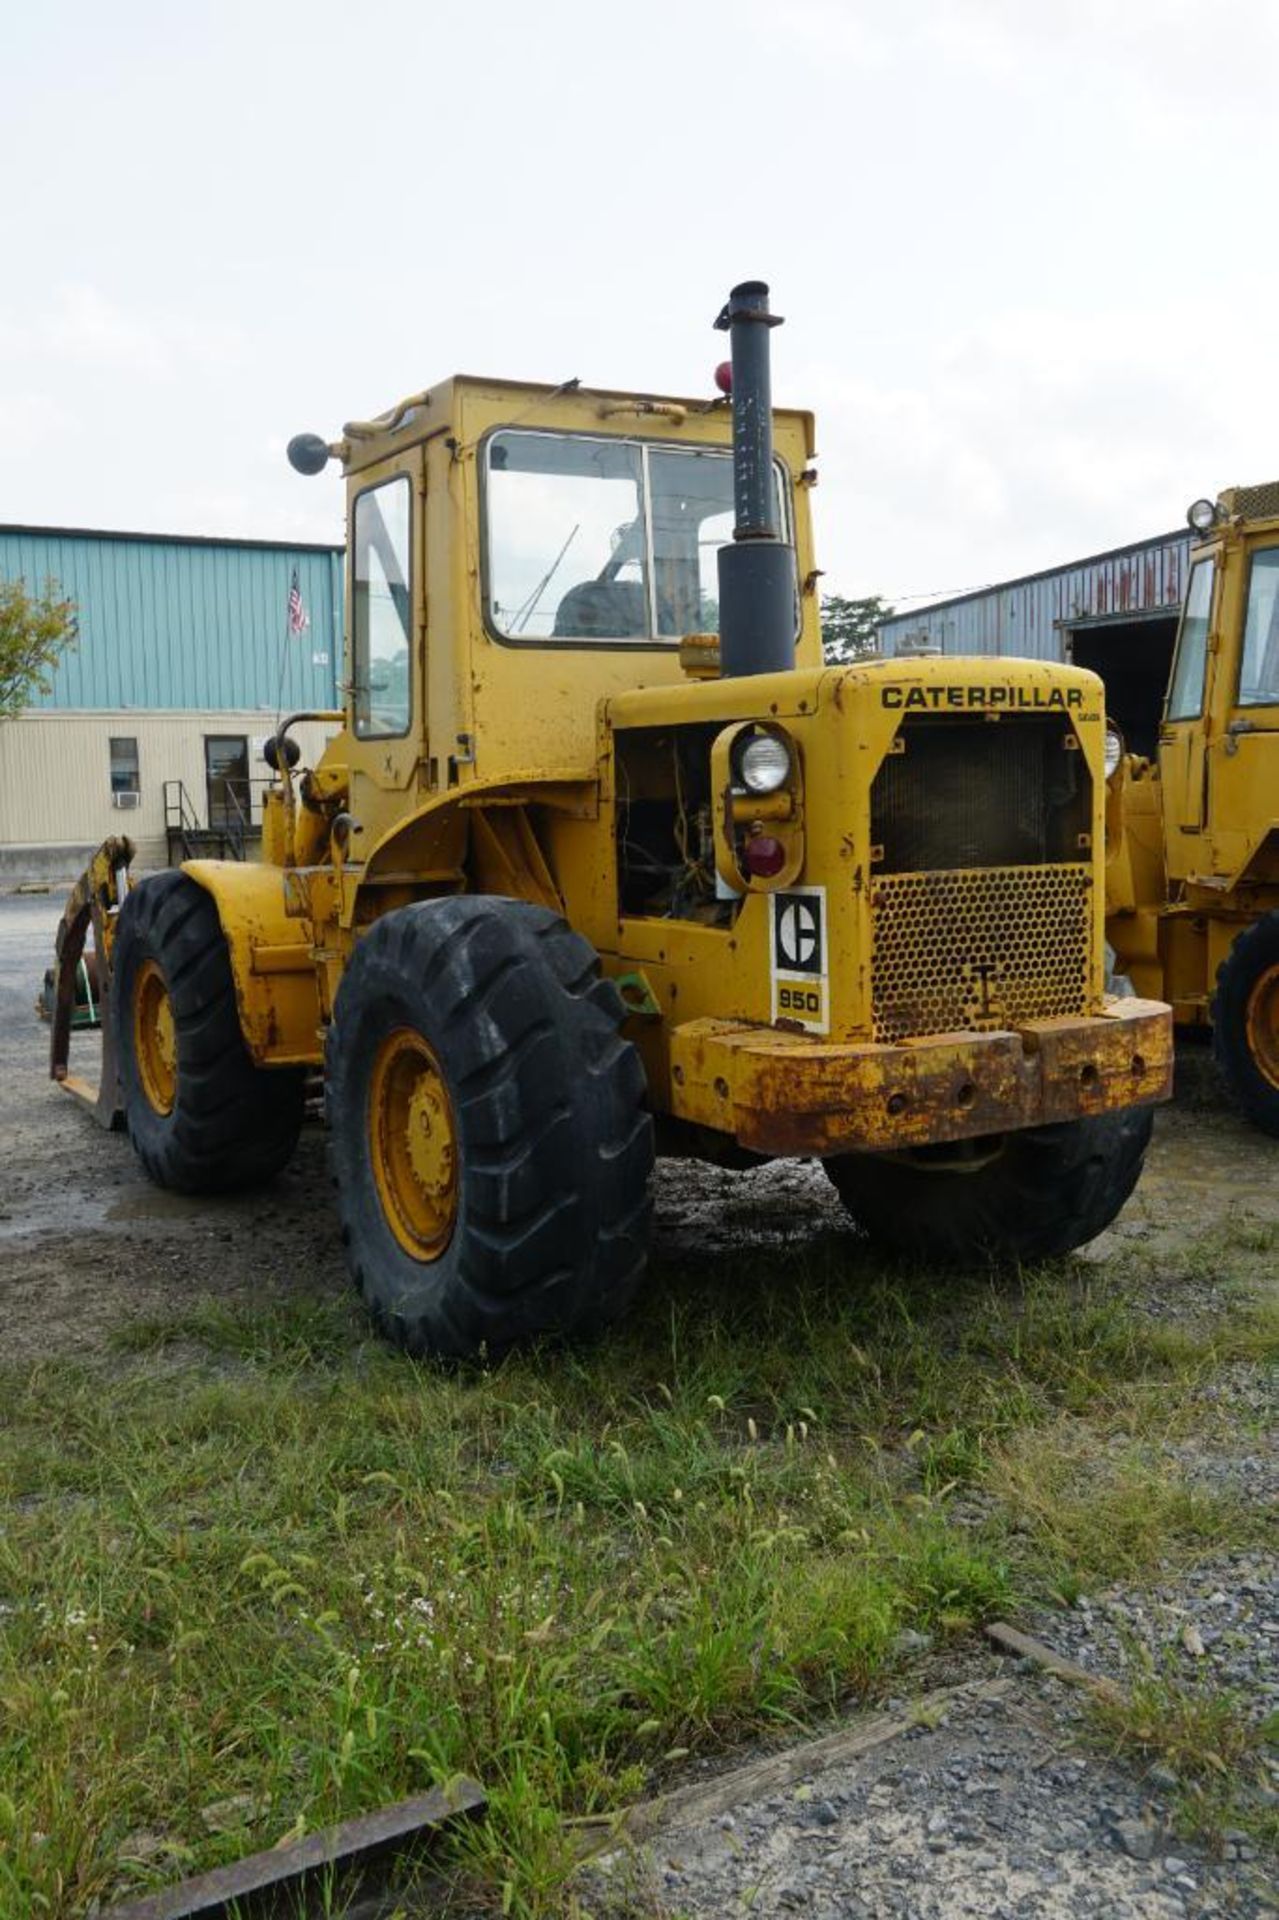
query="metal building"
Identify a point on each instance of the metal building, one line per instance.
(1115, 612)
(156, 718)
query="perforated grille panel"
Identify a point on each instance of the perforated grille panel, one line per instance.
(978, 950)
(1256, 503)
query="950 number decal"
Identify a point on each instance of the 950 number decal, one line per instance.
(797, 958)
(802, 1000)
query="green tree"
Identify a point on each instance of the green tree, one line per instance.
(35, 631)
(850, 628)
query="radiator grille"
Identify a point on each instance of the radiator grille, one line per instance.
(978, 951)
(966, 793)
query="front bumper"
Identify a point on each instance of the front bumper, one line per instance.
(786, 1093)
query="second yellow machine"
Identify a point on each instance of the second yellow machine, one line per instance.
(1193, 874)
(602, 858)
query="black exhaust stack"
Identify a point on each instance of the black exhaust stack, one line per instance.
(757, 585)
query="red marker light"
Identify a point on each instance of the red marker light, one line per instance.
(765, 856)
(724, 376)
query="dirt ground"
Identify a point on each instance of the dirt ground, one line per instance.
(978, 1820)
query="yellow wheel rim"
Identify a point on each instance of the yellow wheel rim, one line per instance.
(155, 1039)
(1263, 1025)
(413, 1144)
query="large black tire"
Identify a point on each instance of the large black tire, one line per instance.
(543, 1190)
(1033, 1194)
(1245, 1022)
(231, 1125)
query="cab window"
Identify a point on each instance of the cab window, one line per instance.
(1259, 668)
(1186, 694)
(605, 541)
(692, 520)
(381, 610)
(567, 545)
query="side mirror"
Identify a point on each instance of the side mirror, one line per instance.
(308, 454)
(271, 752)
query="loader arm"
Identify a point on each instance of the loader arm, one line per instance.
(95, 900)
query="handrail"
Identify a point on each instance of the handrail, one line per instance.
(236, 826)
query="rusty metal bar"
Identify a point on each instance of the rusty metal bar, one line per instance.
(359, 1854)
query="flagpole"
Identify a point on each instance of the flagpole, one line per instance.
(296, 622)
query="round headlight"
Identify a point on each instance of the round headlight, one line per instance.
(1202, 516)
(1114, 747)
(763, 764)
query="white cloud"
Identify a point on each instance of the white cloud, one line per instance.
(1034, 437)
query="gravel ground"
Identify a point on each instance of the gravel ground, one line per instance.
(995, 1811)
(1214, 1628)
(1001, 1810)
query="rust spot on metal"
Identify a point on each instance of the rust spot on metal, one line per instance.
(795, 1094)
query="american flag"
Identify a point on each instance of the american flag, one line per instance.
(299, 618)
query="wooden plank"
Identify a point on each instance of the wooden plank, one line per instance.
(359, 1854)
(1013, 1640)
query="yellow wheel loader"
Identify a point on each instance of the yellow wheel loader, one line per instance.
(602, 859)
(1192, 878)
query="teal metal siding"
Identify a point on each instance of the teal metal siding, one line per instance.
(189, 624)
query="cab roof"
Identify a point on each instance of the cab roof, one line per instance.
(572, 405)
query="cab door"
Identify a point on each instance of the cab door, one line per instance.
(386, 701)
(1182, 738)
(1244, 755)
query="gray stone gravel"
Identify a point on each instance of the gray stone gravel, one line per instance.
(994, 1812)
(1215, 1627)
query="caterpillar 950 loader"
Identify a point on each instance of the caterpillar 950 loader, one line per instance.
(1192, 881)
(602, 858)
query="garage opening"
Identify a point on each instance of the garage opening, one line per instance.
(1133, 658)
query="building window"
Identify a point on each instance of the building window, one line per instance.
(124, 765)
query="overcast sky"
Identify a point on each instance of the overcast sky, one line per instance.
(1025, 252)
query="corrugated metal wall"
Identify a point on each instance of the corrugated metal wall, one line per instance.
(195, 624)
(1030, 617)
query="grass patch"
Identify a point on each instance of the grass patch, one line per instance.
(321, 1578)
(1088, 1513)
(1217, 1752)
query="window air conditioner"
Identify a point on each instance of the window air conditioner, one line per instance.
(126, 800)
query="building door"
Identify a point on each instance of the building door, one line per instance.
(1133, 657)
(226, 772)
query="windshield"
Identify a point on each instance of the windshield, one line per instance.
(594, 540)
(1186, 694)
(1259, 670)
